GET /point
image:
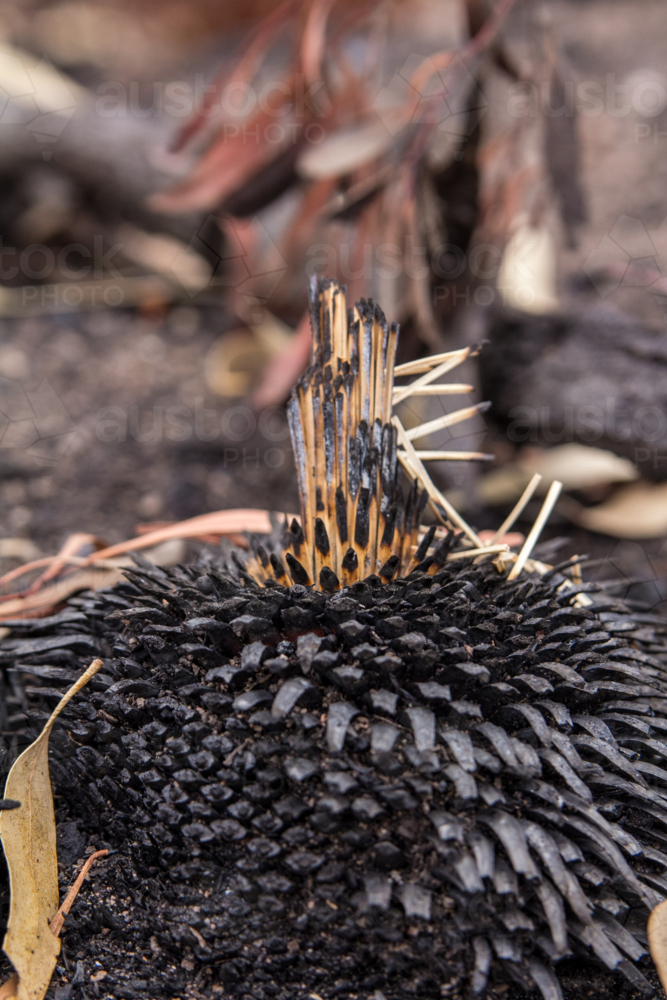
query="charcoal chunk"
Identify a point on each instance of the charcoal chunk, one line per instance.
(388, 856)
(251, 628)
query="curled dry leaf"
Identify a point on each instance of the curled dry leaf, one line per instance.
(657, 940)
(29, 841)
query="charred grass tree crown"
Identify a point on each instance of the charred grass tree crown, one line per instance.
(355, 519)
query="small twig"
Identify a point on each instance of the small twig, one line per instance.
(230, 756)
(454, 456)
(201, 941)
(518, 507)
(536, 530)
(56, 924)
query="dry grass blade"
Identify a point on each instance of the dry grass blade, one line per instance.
(241, 73)
(485, 550)
(448, 420)
(103, 568)
(536, 530)
(427, 363)
(414, 467)
(313, 40)
(444, 389)
(518, 507)
(72, 546)
(29, 841)
(221, 522)
(452, 360)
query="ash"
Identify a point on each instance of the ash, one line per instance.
(444, 786)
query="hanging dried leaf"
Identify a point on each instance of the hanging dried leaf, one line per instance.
(527, 276)
(345, 150)
(29, 841)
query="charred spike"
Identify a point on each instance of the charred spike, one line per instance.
(425, 544)
(278, 568)
(388, 571)
(296, 535)
(321, 537)
(297, 571)
(341, 515)
(361, 519)
(350, 561)
(443, 548)
(328, 580)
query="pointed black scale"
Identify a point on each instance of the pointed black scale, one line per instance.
(328, 580)
(278, 568)
(297, 571)
(341, 515)
(321, 537)
(296, 535)
(350, 561)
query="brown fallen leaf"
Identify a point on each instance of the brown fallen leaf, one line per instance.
(29, 840)
(638, 510)
(657, 939)
(236, 360)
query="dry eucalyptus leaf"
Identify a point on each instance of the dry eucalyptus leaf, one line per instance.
(577, 466)
(345, 150)
(638, 510)
(236, 360)
(657, 940)
(527, 276)
(18, 548)
(29, 841)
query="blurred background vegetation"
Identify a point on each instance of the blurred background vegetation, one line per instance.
(171, 174)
